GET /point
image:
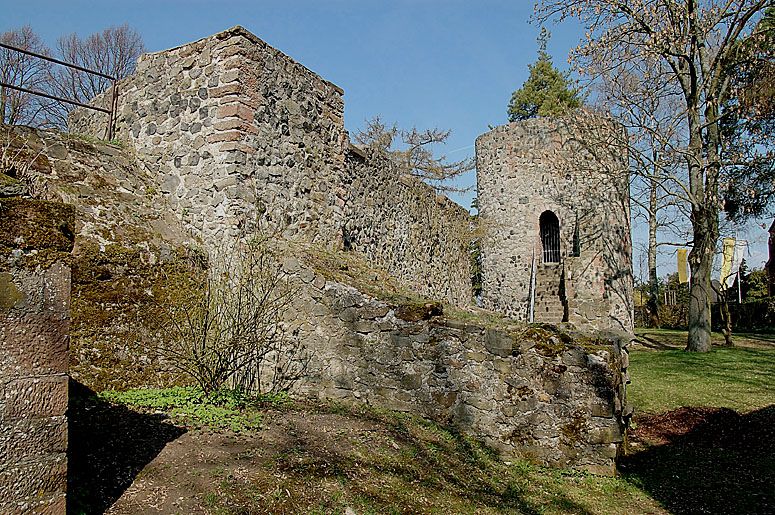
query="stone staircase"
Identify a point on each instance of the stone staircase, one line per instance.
(549, 306)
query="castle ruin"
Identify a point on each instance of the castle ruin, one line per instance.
(238, 134)
(554, 198)
(227, 136)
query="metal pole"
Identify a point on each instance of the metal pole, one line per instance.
(113, 105)
(53, 97)
(56, 61)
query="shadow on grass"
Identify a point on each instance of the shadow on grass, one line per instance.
(109, 446)
(707, 460)
(442, 460)
(651, 343)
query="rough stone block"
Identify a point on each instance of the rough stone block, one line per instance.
(231, 135)
(235, 110)
(606, 435)
(30, 481)
(498, 342)
(35, 397)
(33, 344)
(227, 90)
(25, 438)
(36, 224)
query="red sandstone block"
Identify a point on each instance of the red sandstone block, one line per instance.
(223, 91)
(35, 397)
(225, 136)
(33, 344)
(57, 506)
(229, 123)
(31, 291)
(22, 439)
(235, 110)
(30, 481)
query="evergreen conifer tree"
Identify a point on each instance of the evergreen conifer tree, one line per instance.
(547, 92)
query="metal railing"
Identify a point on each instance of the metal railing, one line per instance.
(114, 97)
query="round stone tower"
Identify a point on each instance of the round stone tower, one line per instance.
(553, 198)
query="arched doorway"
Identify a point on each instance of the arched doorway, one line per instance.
(550, 237)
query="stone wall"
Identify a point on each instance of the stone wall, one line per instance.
(402, 225)
(552, 398)
(35, 240)
(235, 132)
(130, 250)
(576, 168)
(240, 137)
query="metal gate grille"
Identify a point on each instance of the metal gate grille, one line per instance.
(550, 237)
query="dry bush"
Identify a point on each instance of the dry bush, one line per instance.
(18, 157)
(229, 330)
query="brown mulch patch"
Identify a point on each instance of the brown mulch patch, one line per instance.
(664, 428)
(705, 460)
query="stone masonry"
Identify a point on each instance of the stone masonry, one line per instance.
(529, 393)
(35, 240)
(405, 227)
(239, 139)
(243, 138)
(573, 167)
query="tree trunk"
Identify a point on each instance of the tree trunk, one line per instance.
(701, 263)
(652, 305)
(2, 105)
(726, 316)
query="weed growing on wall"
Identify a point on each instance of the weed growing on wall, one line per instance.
(17, 157)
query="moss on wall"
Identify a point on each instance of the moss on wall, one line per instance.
(116, 297)
(36, 224)
(10, 295)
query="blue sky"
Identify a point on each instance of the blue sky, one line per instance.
(450, 64)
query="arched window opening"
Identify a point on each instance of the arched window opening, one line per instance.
(550, 236)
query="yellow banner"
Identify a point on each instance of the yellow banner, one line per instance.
(726, 263)
(683, 275)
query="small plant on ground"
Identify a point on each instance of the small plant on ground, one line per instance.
(220, 409)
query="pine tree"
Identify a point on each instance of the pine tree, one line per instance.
(547, 92)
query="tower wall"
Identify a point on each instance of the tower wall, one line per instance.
(574, 167)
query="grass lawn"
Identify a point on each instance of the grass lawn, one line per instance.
(704, 435)
(739, 378)
(661, 339)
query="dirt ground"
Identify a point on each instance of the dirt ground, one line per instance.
(705, 460)
(689, 460)
(312, 459)
(200, 472)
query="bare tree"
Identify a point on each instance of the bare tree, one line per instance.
(17, 107)
(230, 330)
(114, 52)
(696, 43)
(649, 108)
(413, 151)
